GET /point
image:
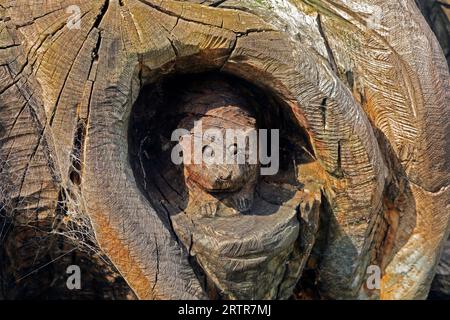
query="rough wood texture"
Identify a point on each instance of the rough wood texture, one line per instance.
(366, 96)
(437, 14)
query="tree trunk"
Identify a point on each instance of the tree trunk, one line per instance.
(89, 94)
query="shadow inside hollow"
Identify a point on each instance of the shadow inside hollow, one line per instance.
(156, 114)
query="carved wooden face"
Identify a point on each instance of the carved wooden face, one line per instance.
(240, 226)
(219, 170)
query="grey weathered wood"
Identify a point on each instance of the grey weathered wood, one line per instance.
(372, 96)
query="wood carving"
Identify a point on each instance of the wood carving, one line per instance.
(211, 108)
(92, 91)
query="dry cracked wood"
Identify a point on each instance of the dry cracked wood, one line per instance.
(437, 14)
(370, 91)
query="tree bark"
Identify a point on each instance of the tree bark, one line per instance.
(366, 81)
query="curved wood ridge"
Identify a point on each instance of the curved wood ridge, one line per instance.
(372, 96)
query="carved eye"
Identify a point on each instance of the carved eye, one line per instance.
(233, 149)
(208, 151)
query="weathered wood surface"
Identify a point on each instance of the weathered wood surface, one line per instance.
(437, 14)
(371, 91)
